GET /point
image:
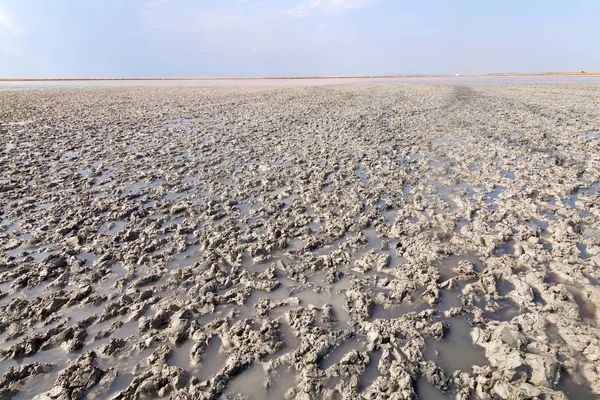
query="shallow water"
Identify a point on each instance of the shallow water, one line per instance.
(446, 80)
(250, 383)
(185, 258)
(456, 351)
(506, 248)
(337, 353)
(337, 301)
(426, 391)
(584, 254)
(573, 389)
(507, 310)
(372, 371)
(397, 311)
(37, 385)
(213, 359)
(447, 265)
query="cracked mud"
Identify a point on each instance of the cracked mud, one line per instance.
(300, 242)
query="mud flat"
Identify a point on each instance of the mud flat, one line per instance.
(304, 242)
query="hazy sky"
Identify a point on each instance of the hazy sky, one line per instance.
(137, 38)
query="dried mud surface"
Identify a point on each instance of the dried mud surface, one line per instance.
(312, 242)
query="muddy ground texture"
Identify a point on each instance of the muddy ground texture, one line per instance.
(328, 242)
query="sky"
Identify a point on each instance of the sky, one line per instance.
(229, 38)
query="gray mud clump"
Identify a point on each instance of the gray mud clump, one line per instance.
(334, 242)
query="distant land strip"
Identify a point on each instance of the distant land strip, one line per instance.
(580, 73)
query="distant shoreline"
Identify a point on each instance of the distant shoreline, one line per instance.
(595, 73)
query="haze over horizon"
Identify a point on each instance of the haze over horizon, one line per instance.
(206, 38)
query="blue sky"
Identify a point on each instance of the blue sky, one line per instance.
(144, 38)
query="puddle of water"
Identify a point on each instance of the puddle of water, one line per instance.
(494, 195)
(181, 355)
(329, 248)
(593, 281)
(371, 372)
(574, 390)
(336, 354)
(583, 253)
(254, 385)
(78, 313)
(126, 330)
(437, 164)
(504, 288)
(471, 189)
(56, 355)
(282, 380)
(373, 242)
(460, 223)
(89, 258)
(553, 335)
(570, 201)
(68, 155)
(444, 193)
(507, 310)
(449, 299)
(413, 220)
(395, 259)
(186, 258)
(445, 141)
(101, 179)
(37, 252)
(508, 174)
(593, 135)
(33, 387)
(43, 206)
(398, 311)
(124, 364)
(295, 245)
(360, 172)
(213, 360)
(107, 285)
(335, 298)
(547, 246)
(456, 351)
(506, 248)
(120, 383)
(390, 216)
(447, 265)
(25, 294)
(536, 223)
(249, 383)
(426, 391)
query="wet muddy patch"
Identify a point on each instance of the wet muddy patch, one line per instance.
(324, 244)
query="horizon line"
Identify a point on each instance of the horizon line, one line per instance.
(516, 74)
